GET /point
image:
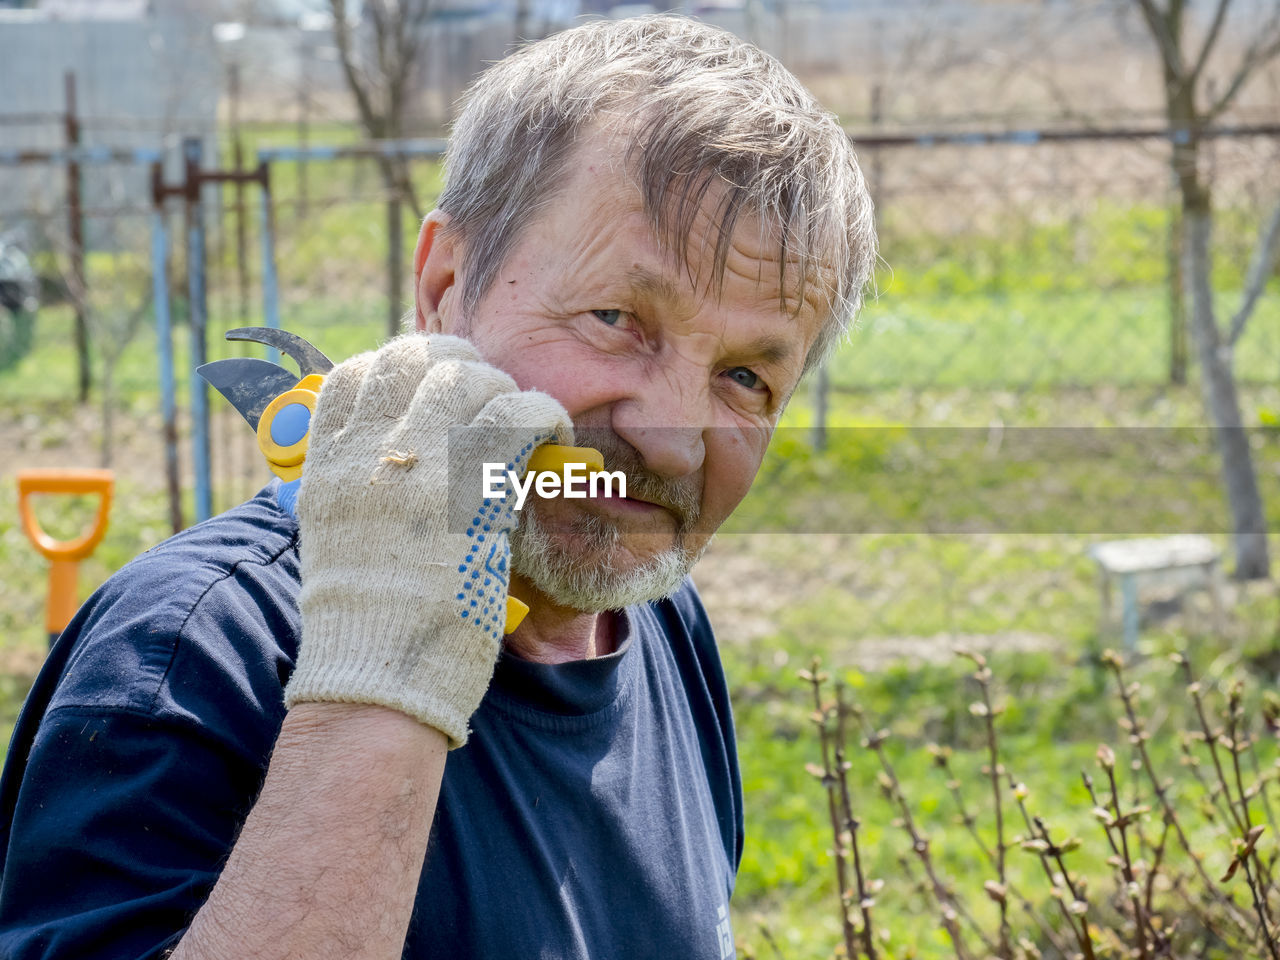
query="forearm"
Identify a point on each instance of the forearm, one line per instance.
(328, 862)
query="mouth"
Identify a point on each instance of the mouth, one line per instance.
(631, 506)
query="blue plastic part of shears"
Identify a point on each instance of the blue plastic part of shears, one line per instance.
(287, 496)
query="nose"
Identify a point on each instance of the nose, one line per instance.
(664, 422)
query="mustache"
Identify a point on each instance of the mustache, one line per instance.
(680, 495)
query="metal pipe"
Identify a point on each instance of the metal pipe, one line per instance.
(376, 148)
(431, 148)
(81, 155)
(979, 138)
(197, 317)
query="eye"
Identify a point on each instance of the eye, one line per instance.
(612, 317)
(745, 377)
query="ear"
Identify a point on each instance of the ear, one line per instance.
(436, 296)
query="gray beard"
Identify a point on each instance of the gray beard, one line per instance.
(581, 579)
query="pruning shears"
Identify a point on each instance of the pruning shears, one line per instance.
(279, 406)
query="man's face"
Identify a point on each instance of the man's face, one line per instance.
(676, 382)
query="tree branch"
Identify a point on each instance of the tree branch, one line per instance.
(384, 39)
(1174, 18)
(1165, 40)
(1210, 39)
(1263, 49)
(346, 56)
(417, 18)
(381, 87)
(1264, 256)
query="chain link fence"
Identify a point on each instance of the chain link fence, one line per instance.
(1022, 284)
(1017, 266)
(1026, 282)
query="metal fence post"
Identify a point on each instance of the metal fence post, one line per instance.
(197, 316)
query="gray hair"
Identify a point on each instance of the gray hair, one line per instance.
(703, 109)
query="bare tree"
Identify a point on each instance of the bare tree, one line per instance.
(380, 70)
(1192, 105)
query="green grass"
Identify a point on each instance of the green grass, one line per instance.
(1060, 705)
(1034, 338)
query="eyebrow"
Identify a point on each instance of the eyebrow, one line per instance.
(766, 348)
(769, 349)
(650, 284)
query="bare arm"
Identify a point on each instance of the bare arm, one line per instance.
(327, 864)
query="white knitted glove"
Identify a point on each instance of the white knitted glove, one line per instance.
(403, 603)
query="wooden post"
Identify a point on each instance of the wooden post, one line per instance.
(877, 170)
(75, 233)
(821, 389)
(1177, 300)
(164, 343)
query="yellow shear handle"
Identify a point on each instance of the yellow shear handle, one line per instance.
(550, 458)
(554, 457)
(284, 429)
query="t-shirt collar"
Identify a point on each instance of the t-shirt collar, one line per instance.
(573, 688)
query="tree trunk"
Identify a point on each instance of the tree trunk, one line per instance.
(1220, 396)
(1177, 303)
(395, 265)
(105, 449)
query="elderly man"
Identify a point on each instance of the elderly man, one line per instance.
(242, 745)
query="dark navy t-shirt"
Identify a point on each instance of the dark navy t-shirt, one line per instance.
(595, 811)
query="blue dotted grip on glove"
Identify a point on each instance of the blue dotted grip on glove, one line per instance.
(486, 569)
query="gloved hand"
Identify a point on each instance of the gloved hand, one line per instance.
(402, 605)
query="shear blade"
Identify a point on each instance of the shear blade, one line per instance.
(308, 358)
(248, 384)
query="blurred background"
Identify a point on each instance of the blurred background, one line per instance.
(1078, 205)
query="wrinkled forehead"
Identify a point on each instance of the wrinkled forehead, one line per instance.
(717, 247)
(707, 225)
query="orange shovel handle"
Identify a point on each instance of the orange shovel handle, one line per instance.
(100, 482)
(64, 555)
